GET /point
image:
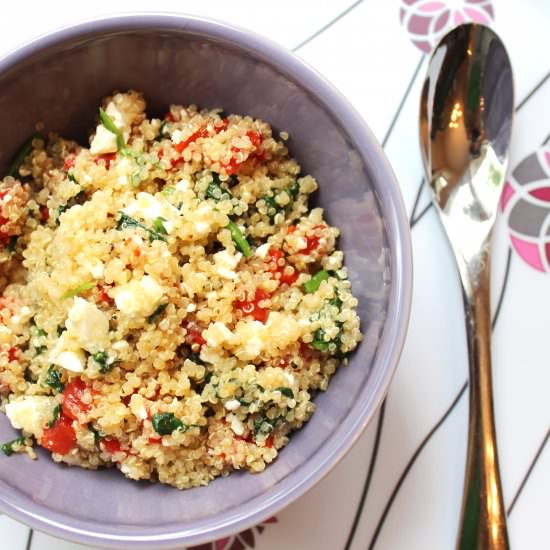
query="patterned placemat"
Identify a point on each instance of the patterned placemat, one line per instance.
(401, 485)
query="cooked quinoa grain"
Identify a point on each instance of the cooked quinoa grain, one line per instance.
(169, 303)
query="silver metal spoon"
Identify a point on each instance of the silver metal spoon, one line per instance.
(466, 113)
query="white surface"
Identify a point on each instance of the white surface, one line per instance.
(369, 57)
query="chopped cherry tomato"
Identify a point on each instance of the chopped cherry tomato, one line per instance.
(61, 437)
(72, 399)
(291, 229)
(112, 446)
(182, 145)
(107, 158)
(154, 440)
(194, 333)
(223, 126)
(169, 117)
(231, 166)
(3, 193)
(12, 354)
(312, 242)
(44, 213)
(252, 307)
(277, 270)
(69, 162)
(269, 442)
(104, 297)
(248, 439)
(255, 138)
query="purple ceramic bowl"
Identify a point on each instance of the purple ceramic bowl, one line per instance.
(59, 79)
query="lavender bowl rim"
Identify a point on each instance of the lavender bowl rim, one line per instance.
(393, 335)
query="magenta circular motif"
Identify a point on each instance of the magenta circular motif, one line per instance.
(426, 21)
(526, 203)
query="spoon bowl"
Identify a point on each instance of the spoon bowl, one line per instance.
(466, 114)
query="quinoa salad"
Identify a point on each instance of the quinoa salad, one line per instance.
(169, 302)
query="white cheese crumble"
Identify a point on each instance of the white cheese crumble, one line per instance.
(236, 425)
(70, 360)
(30, 413)
(88, 325)
(103, 142)
(226, 263)
(232, 405)
(149, 208)
(262, 250)
(138, 297)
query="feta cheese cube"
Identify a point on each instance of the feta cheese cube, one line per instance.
(30, 413)
(88, 325)
(103, 141)
(139, 297)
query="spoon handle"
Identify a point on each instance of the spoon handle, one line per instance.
(483, 517)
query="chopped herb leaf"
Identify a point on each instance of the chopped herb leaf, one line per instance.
(153, 318)
(238, 239)
(264, 425)
(158, 225)
(273, 207)
(53, 379)
(126, 221)
(12, 244)
(102, 359)
(168, 190)
(40, 332)
(98, 436)
(166, 423)
(39, 349)
(60, 330)
(216, 191)
(7, 448)
(287, 392)
(71, 293)
(315, 282)
(196, 359)
(319, 341)
(56, 415)
(294, 189)
(163, 130)
(107, 121)
(21, 155)
(71, 177)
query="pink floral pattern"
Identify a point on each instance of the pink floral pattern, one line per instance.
(526, 203)
(241, 541)
(426, 21)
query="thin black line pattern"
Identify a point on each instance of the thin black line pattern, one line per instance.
(29, 539)
(413, 221)
(327, 26)
(529, 471)
(370, 473)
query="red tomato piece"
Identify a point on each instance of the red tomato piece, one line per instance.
(182, 145)
(231, 166)
(112, 446)
(169, 117)
(12, 354)
(255, 138)
(44, 213)
(269, 442)
(252, 307)
(69, 162)
(61, 437)
(72, 399)
(277, 270)
(154, 440)
(107, 158)
(223, 126)
(291, 229)
(312, 244)
(104, 297)
(194, 333)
